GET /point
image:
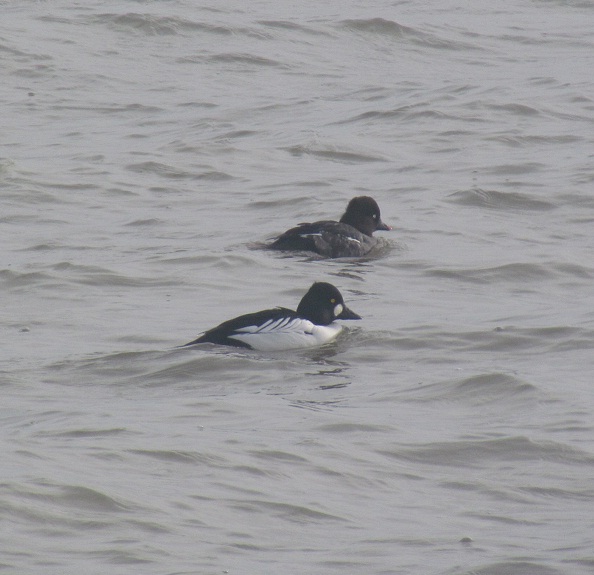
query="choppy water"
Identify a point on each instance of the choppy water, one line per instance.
(148, 147)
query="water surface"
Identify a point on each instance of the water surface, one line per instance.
(148, 148)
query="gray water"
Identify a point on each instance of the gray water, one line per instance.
(147, 149)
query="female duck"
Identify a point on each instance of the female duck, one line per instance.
(352, 236)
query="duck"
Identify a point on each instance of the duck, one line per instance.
(281, 329)
(352, 236)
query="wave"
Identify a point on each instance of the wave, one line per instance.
(517, 567)
(173, 173)
(395, 31)
(152, 25)
(337, 155)
(496, 200)
(482, 453)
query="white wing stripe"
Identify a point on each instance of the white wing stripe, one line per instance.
(280, 325)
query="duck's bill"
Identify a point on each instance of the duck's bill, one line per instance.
(348, 314)
(385, 227)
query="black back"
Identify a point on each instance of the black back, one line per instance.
(327, 238)
(220, 334)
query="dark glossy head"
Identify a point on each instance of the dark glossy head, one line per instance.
(323, 303)
(363, 213)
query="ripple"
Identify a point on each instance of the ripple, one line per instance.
(173, 173)
(477, 390)
(479, 453)
(85, 433)
(517, 141)
(152, 25)
(514, 272)
(510, 338)
(291, 513)
(394, 30)
(495, 200)
(98, 276)
(150, 222)
(293, 27)
(243, 59)
(17, 280)
(520, 168)
(342, 156)
(273, 455)
(74, 496)
(379, 26)
(180, 456)
(513, 568)
(348, 427)
(517, 109)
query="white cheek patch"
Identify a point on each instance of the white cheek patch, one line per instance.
(338, 309)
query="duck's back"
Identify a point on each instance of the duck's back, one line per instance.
(223, 333)
(327, 238)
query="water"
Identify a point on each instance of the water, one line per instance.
(147, 148)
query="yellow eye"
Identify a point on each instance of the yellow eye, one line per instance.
(333, 300)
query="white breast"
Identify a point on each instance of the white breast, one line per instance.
(286, 333)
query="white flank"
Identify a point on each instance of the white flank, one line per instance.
(286, 333)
